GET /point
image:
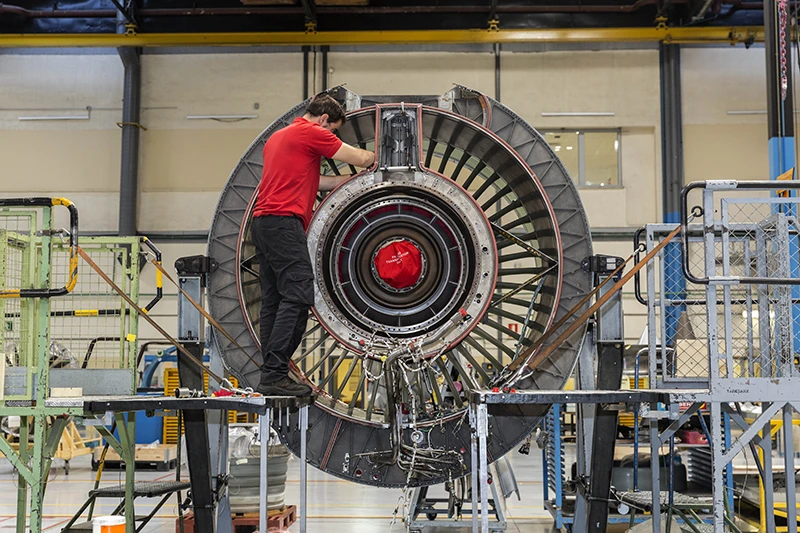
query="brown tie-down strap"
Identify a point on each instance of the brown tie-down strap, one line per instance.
(205, 313)
(223, 382)
(552, 329)
(533, 359)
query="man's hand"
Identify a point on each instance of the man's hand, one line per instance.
(354, 156)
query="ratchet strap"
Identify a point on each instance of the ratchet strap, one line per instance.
(550, 331)
(223, 382)
(532, 360)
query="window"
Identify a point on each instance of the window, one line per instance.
(592, 157)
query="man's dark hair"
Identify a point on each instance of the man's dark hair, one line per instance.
(323, 104)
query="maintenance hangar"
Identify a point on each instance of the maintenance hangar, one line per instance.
(468, 265)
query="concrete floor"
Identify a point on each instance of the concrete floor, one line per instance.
(334, 505)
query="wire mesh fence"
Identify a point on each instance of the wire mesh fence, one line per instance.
(93, 327)
(18, 270)
(758, 338)
(736, 314)
(677, 325)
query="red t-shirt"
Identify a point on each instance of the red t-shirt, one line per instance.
(290, 179)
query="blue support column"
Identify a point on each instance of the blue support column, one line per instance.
(780, 119)
(672, 179)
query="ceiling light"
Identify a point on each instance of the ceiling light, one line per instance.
(569, 147)
(579, 114)
(221, 117)
(87, 116)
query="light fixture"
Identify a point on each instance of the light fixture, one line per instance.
(754, 314)
(746, 112)
(569, 147)
(221, 118)
(580, 114)
(87, 116)
(616, 145)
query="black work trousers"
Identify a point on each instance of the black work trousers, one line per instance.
(287, 290)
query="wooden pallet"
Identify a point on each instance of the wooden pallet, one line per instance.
(162, 457)
(161, 466)
(247, 523)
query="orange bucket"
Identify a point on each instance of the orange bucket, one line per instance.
(108, 524)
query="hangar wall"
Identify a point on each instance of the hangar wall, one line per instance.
(184, 163)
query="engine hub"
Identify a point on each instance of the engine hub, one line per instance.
(431, 220)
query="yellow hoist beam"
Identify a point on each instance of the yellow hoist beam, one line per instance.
(688, 35)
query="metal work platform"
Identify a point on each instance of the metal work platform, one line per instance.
(484, 401)
(545, 397)
(255, 404)
(264, 406)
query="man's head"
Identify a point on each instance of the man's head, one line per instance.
(326, 112)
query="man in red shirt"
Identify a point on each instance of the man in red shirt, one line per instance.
(285, 202)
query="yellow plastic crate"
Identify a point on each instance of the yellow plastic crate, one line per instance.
(170, 428)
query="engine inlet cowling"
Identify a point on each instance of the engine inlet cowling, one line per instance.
(434, 270)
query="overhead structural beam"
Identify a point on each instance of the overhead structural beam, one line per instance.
(685, 35)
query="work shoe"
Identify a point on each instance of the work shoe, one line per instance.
(283, 387)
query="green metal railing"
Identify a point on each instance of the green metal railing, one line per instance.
(62, 325)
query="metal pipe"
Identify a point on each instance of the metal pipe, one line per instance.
(672, 175)
(324, 50)
(305, 72)
(129, 165)
(497, 72)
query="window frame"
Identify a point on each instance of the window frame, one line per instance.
(581, 181)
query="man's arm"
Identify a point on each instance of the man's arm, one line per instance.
(354, 156)
(328, 183)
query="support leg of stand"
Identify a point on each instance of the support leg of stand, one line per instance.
(483, 429)
(717, 468)
(791, 495)
(498, 507)
(38, 474)
(474, 477)
(303, 468)
(22, 483)
(655, 473)
(769, 497)
(263, 503)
